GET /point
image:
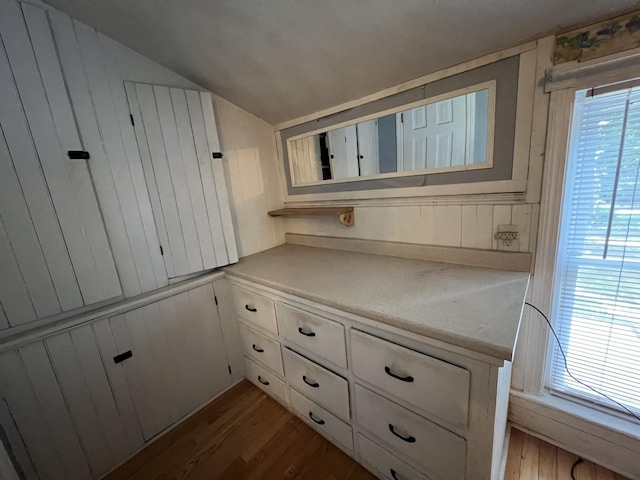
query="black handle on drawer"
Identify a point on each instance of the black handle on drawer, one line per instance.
(409, 439)
(259, 350)
(319, 422)
(122, 357)
(394, 475)
(251, 309)
(264, 382)
(314, 385)
(408, 378)
(306, 334)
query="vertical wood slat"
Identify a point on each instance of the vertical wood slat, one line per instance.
(111, 53)
(51, 157)
(32, 274)
(117, 382)
(219, 177)
(15, 440)
(158, 175)
(88, 244)
(4, 323)
(78, 87)
(105, 112)
(178, 176)
(208, 182)
(193, 177)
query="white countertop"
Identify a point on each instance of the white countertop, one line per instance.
(475, 308)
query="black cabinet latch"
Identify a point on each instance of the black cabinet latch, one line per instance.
(78, 155)
(122, 357)
(216, 154)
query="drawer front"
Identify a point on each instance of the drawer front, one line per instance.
(426, 444)
(323, 421)
(433, 386)
(261, 348)
(316, 334)
(266, 380)
(384, 463)
(255, 308)
(316, 382)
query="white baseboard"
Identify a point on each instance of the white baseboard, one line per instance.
(607, 440)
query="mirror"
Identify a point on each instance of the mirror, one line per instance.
(446, 133)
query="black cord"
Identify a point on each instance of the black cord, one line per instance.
(573, 468)
(566, 367)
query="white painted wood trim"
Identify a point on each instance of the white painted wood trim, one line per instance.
(38, 330)
(524, 111)
(423, 80)
(604, 439)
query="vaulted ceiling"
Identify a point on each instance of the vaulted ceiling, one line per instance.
(281, 59)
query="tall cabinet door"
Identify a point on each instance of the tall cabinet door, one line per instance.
(54, 251)
(178, 141)
(176, 356)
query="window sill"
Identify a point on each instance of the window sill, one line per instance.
(606, 439)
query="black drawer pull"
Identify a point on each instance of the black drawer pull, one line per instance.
(408, 439)
(264, 382)
(259, 350)
(394, 475)
(122, 357)
(408, 378)
(78, 155)
(319, 422)
(251, 309)
(314, 385)
(306, 334)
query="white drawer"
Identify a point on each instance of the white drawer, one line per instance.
(383, 463)
(433, 386)
(424, 443)
(266, 380)
(323, 421)
(261, 348)
(316, 334)
(316, 382)
(255, 308)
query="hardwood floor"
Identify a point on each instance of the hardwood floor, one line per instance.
(245, 434)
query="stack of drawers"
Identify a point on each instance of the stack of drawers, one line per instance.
(399, 412)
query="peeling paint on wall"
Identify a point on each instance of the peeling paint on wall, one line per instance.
(612, 36)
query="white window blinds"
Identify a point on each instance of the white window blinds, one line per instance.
(596, 306)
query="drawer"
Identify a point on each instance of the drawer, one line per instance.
(424, 443)
(433, 386)
(316, 334)
(254, 308)
(316, 382)
(261, 348)
(385, 464)
(266, 380)
(323, 421)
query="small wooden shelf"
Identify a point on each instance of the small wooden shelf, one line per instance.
(345, 215)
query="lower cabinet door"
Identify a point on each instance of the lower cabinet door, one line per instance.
(323, 421)
(172, 354)
(423, 443)
(383, 463)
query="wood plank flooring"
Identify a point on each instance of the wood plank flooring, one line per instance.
(245, 434)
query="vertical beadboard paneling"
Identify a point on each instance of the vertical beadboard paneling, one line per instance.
(484, 227)
(521, 216)
(4, 323)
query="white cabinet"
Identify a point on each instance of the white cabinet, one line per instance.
(53, 244)
(72, 408)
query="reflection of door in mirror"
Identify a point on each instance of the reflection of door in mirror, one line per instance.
(307, 163)
(368, 157)
(343, 152)
(442, 134)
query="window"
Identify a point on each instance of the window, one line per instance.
(596, 307)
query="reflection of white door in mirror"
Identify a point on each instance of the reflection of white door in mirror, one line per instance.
(434, 135)
(368, 155)
(343, 152)
(307, 165)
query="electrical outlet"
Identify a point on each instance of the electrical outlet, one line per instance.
(508, 238)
